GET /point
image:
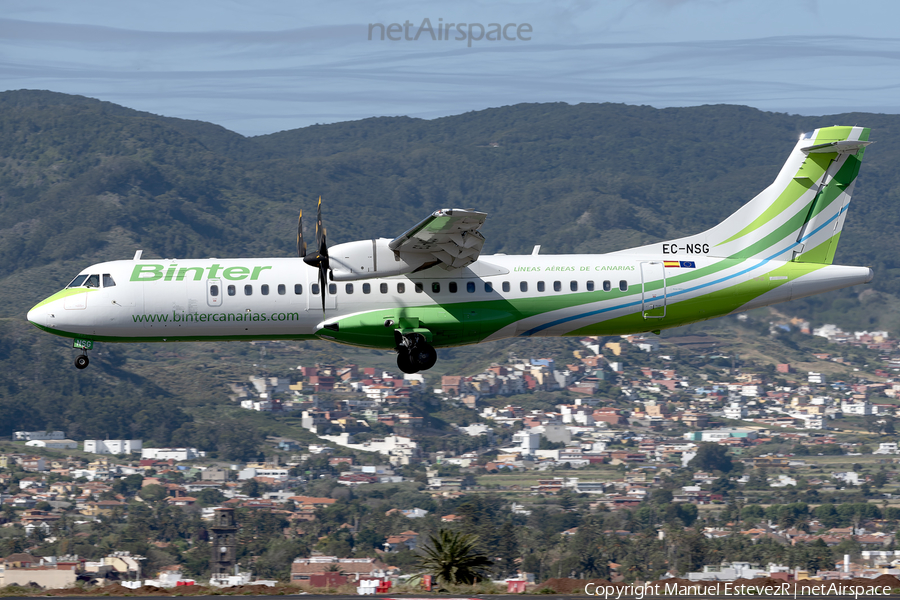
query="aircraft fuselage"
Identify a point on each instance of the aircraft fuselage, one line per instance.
(497, 297)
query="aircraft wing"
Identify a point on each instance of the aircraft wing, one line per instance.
(449, 235)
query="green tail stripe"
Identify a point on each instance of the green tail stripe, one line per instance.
(809, 173)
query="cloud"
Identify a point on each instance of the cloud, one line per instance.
(255, 81)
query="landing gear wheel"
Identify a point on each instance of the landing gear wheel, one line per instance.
(423, 355)
(405, 363)
(82, 361)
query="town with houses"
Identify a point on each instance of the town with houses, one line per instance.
(622, 426)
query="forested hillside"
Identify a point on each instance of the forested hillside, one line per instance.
(83, 181)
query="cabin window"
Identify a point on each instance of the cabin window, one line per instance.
(401, 288)
(232, 290)
(298, 289)
(470, 287)
(332, 289)
(367, 288)
(282, 289)
(384, 288)
(436, 287)
(248, 290)
(573, 285)
(505, 286)
(419, 287)
(77, 281)
(93, 281)
(108, 281)
(452, 287)
(314, 289)
(623, 285)
(607, 286)
(348, 288)
(488, 287)
(590, 286)
(264, 289)
(523, 286)
(540, 286)
(214, 291)
(557, 286)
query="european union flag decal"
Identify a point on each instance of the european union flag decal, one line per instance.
(687, 264)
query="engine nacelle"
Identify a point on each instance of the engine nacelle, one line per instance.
(365, 259)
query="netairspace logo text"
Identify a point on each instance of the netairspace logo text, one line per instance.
(458, 32)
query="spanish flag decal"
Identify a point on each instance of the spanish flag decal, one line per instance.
(683, 264)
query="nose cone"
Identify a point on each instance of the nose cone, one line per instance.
(871, 276)
(41, 315)
(37, 316)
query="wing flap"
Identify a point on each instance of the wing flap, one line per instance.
(450, 235)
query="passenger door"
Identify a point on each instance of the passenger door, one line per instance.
(653, 289)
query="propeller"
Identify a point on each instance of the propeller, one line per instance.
(320, 258)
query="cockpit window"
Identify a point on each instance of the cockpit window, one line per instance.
(77, 281)
(108, 281)
(93, 281)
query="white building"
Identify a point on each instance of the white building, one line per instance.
(258, 405)
(476, 429)
(526, 442)
(113, 446)
(750, 391)
(400, 449)
(274, 473)
(586, 487)
(54, 444)
(728, 572)
(176, 454)
(26, 436)
(269, 385)
(812, 421)
(887, 448)
(782, 481)
(856, 408)
(735, 411)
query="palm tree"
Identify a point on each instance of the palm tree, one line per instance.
(451, 558)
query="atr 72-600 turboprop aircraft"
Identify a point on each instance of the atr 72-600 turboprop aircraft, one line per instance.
(430, 287)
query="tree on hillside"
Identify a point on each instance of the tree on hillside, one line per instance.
(452, 558)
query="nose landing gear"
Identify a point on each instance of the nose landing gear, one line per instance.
(415, 354)
(82, 361)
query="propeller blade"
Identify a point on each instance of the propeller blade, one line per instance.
(322, 288)
(320, 258)
(301, 243)
(320, 233)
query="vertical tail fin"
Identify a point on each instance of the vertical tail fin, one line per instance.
(800, 216)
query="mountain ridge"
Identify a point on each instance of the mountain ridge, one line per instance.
(82, 181)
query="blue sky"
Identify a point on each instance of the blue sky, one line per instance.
(270, 65)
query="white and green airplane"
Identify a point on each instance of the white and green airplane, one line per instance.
(431, 287)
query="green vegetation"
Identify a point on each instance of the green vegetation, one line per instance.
(451, 557)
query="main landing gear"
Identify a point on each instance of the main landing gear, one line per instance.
(415, 354)
(82, 361)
